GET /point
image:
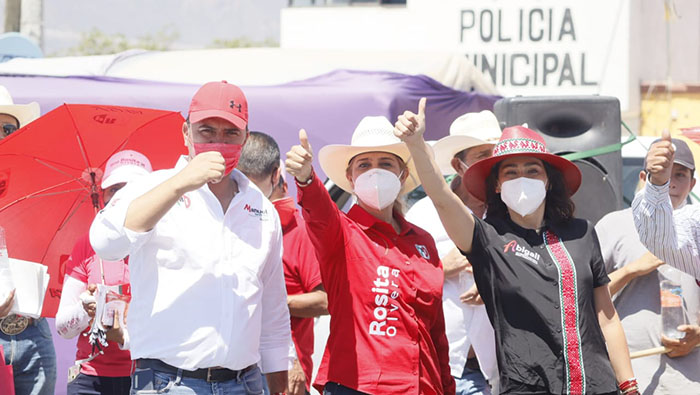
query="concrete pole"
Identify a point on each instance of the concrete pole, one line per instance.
(12, 12)
(32, 20)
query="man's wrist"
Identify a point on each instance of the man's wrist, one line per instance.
(654, 180)
(177, 185)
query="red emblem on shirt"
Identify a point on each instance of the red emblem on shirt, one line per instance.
(510, 246)
(184, 199)
(521, 251)
(423, 251)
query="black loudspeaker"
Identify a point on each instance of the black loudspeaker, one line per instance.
(573, 124)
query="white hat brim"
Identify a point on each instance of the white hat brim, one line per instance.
(334, 161)
(25, 113)
(123, 174)
(447, 147)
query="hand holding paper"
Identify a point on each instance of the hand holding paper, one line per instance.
(30, 281)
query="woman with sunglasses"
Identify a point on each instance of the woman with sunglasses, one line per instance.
(539, 270)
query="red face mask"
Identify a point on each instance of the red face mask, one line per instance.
(230, 152)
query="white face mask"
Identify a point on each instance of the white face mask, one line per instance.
(523, 195)
(377, 188)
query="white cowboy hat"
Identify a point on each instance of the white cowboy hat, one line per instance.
(24, 113)
(372, 134)
(467, 131)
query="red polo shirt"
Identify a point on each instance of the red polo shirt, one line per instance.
(301, 275)
(387, 330)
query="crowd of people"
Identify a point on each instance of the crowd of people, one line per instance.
(490, 284)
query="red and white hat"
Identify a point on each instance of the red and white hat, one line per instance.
(519, 141)
(220, 100)
(125, 166)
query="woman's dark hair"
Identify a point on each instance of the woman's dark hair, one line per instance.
(558, 204)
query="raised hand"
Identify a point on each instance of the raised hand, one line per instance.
(299, 159)
(410, 127)
(660, 160)
(207, 167)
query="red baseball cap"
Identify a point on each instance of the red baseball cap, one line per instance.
(220, 100)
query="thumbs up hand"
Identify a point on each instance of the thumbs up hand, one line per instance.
(410, 127)
(659, 160)
(299, 159)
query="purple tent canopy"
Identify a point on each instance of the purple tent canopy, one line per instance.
(328, 107)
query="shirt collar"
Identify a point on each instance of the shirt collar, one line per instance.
(366, 220)
(532, 236)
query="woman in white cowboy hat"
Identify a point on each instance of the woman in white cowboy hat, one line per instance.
(539, 270)
(382, 274)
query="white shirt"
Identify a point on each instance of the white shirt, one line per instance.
(203, 281)
(639, 307)
(465, 325)
(672, 235)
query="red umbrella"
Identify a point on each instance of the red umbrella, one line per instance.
(50, 172)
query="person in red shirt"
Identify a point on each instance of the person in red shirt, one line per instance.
(306, 298)
(382, 274)
(107, 372)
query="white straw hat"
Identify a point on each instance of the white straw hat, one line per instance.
(372, 134)
(25, 113)
(467, 131)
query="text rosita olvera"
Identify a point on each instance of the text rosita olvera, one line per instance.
(385, 290)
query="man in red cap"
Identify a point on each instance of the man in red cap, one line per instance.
(205, 249)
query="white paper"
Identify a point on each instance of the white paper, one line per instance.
(31, 281)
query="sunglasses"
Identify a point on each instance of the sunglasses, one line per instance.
(9, 128)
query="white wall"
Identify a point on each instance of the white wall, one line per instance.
(528, 47)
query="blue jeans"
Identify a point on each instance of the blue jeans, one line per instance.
(33, 359)
(85, 384)
(150, 381)
(472, 382)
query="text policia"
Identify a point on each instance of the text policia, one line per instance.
(515, 47)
